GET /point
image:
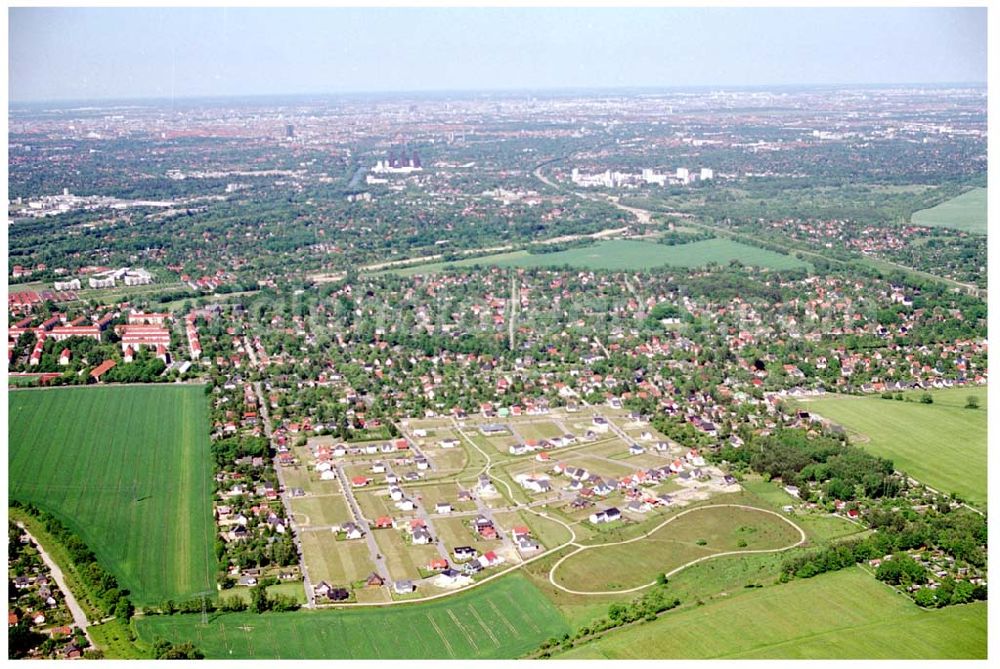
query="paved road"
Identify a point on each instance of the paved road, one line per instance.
(79, 617)
(285, 496)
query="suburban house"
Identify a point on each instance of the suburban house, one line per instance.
(442, 507)
(437, 564)
(605, 516)
(536, 485)
(462, 553)
(403, 587)
(352, 530)
(526, 544)
(490, 559)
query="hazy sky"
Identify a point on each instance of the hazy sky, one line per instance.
(119, 53)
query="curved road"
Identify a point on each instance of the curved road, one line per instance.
(802, 540)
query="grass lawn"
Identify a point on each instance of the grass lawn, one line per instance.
(128, 469)
(456, 532)
(336, 562)
(403, 559)
(940, 444)
(295, 590)
(626, 255)
(328, 509)
(721, 529)
(547, 532)
(965, 212)
(113, 638)
(505, 619)
(838, 615)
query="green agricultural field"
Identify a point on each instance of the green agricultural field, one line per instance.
(838, 615)
(966, 212)
(940, 444)
(128, 469)
(700, 533)
(505, 619)
(622, 254)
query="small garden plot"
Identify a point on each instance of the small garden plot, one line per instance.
(498, 444)
(547, 532)
(336, 562)
(667, 486)
(403, 559)
(578, 515)
(295, 590)
(602, 467)
(376, 503)
(429, 424)
(457, 532)
(430, 495)
(448, 462)
(647, 460)
(306, 479)
(609, 447)
(354, 469)
(543, 429)
(323, 510)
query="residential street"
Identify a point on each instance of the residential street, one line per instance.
(79, 617)
(285, 497)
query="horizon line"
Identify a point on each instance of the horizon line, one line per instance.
(499, 90)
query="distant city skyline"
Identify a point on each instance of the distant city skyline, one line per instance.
(127, 53)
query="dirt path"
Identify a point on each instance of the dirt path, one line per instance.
(79, 617)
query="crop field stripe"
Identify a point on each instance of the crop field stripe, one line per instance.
(502, 618)
(372, 641)
(272, 641)
(444, 639)
(486, 628)
(225, 641)
(425, 643)
(471, 637)
(525, 617)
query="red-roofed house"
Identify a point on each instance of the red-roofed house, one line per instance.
(102, 369)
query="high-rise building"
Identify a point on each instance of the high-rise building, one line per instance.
(683, 174)
(289, 131)
(706, 174)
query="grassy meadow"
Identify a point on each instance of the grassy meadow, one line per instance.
(941, 444)
(128, 469)
(505, 619)
(706, 531)
(966, 212)
(839, 615)
(625, 255)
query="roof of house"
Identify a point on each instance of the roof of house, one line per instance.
(102, 368)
